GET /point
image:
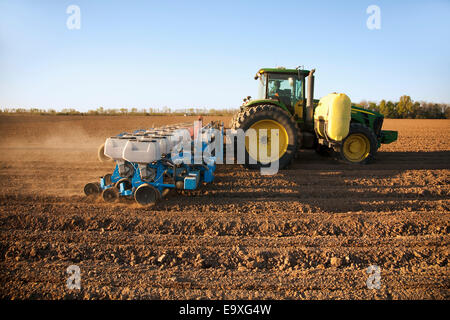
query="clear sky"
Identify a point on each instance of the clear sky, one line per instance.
(205, 53)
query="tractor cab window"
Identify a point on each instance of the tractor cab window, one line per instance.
(287, 88)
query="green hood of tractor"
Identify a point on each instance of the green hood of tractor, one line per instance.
(356, 109)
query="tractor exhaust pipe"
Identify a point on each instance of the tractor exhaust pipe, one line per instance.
(309, 101)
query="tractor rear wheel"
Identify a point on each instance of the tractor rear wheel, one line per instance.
(360, 146)
(262, 119)
(234, 119)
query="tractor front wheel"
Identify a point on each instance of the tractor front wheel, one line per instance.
(360, 146)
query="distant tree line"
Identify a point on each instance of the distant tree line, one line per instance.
(406, 108)
(122, 111)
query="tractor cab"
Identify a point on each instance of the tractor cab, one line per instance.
(286, 86)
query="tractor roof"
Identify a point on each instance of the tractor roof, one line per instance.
(283, 70)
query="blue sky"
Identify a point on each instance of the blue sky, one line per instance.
(205, 53)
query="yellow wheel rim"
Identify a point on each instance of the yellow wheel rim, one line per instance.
(265, 139)
(356, 147)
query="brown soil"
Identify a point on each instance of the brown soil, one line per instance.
(310, 232)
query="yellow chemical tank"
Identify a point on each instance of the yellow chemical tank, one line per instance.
(332, 116)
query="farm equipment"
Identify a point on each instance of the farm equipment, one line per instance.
(330, 125)
(151, 162)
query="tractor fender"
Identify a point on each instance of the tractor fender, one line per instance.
(254, 103)
(277, 103)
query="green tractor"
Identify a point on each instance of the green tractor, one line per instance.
(282, 104)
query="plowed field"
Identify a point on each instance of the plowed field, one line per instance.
(309, 232)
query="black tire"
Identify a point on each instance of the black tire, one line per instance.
(235, 118)
(246, 118)
(92, 189)
(110, 195)
(147, 195)
(357, 128)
